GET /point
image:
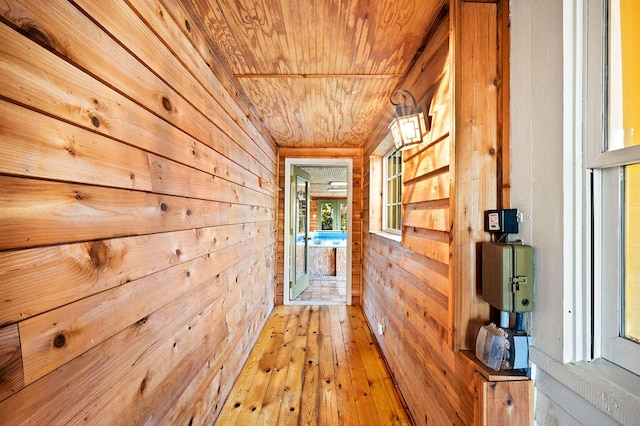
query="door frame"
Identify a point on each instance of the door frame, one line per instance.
(288, 162)
(295, 281)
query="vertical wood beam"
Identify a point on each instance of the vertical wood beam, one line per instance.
(474, 188)
(504, 95)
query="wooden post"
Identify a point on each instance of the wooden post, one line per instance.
(474, 153)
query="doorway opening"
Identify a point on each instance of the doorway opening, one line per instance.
(317, 238)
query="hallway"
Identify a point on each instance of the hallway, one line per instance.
(314, 365)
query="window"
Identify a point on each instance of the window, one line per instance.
(392, 193)
(333, 215)
(614, 159)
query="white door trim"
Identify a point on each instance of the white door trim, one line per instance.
(288, 162)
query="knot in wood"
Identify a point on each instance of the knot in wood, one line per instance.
(99, 253)
(60, 340)
(143, 384)
(95, 121)
(39, 37)
(166, 103)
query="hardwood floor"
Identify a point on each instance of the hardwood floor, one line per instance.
(314, 365)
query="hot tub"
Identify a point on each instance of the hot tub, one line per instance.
(329, 238)
(327, 254)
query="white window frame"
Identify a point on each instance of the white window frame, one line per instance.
(385, 202)
(607, 199)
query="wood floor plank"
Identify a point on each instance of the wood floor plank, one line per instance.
(310, 385)
(347, 412)
(290, 408)
(327, 399)
(275, 390)
(375, 370)
(269, 341)
(319, 366)
(365, 404)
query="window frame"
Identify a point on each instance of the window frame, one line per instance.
(336, 202)
(606, 204)
(385, 204)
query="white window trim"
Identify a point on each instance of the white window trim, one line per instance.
(385, 204)
(600, 386)
(606, 190)
(376, 188)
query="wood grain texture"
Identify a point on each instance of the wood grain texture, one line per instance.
(84, 102)
(315, 365)
(41, 212)
(504, 403)
(11, 373)
(319, 75)
(424, 289)
(138, 219)
(476, 70)
(129, 160)
(33, 281)
(53, 338)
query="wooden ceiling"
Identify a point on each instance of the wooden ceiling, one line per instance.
(317, 72)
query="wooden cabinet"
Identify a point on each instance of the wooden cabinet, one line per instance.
(500, 397)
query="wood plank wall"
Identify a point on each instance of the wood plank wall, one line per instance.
(416, 288)
(137, 218)
(356, 258)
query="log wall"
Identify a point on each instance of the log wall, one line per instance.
(137, 218)
(424, 289)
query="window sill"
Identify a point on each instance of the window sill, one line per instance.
(388, 235)
(612, 389)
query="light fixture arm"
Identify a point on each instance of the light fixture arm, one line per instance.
(402, 108)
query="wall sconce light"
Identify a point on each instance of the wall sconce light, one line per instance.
(408, 126)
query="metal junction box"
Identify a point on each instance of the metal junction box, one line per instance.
(507, 276)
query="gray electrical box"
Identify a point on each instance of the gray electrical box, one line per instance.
(507, 276)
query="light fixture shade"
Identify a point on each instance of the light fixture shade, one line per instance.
(408, 130)
(408, 127)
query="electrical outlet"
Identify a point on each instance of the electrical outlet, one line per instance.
(380, 328)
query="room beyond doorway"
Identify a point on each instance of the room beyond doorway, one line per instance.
(318, 199)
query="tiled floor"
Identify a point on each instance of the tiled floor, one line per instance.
(325, 289)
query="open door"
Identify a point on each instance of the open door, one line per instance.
(299, 232)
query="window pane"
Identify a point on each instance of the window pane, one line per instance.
(343, 216)
(631, 292)
(327, 216)
(624, 78)
(393, 192)
(393, 198)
